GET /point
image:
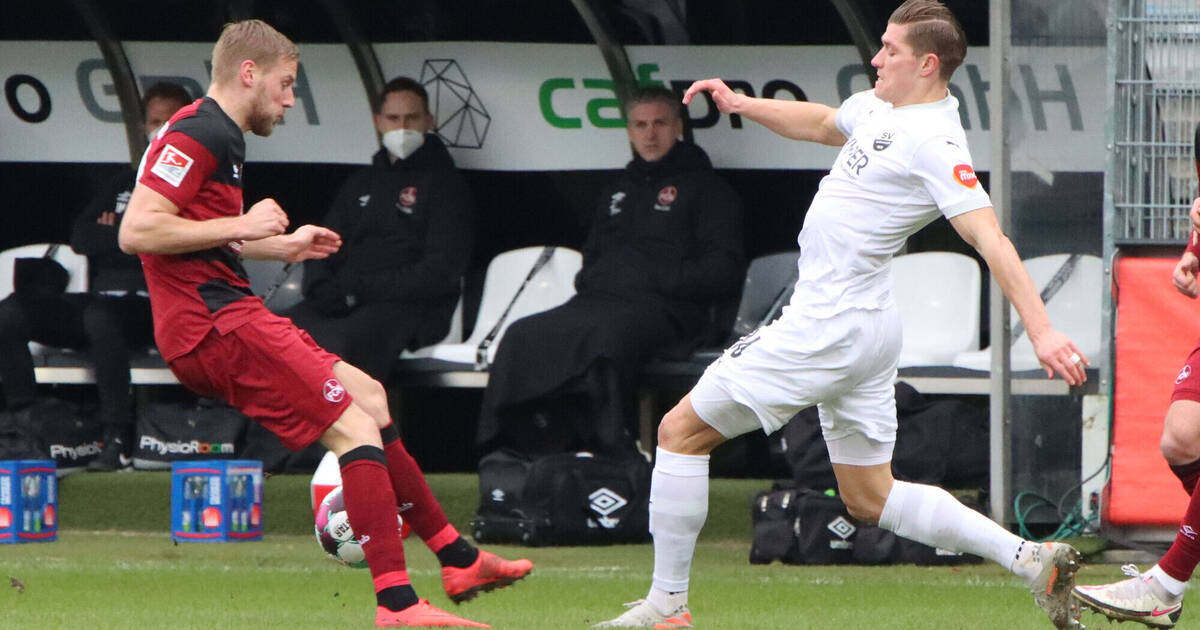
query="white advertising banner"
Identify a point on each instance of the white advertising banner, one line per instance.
(514, 106)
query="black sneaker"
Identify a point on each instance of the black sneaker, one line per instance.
(112, 457)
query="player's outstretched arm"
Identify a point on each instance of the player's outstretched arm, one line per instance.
(1055, 351)
(306, 243)
(152, 225)
(798, 120)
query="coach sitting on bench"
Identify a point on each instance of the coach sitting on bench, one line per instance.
(406, 226)
(665, 243)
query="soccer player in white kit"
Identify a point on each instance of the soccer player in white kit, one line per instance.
(904, 162)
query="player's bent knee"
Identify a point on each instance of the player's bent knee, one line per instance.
(865, 511)
(352, 429)
(1178, 450)
(682, 431)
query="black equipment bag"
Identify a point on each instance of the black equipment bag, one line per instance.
(169, 431)
(804, 526)
(562, 499)
(70, 433)
(938, 441)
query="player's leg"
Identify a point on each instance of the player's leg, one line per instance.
(466, 570)
(1155, 597)
(367, 491)
(678, 508)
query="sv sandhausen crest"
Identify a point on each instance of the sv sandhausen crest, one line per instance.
(883, 141)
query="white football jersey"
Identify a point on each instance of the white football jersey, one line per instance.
(900, 169)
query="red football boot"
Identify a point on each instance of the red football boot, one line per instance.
(422, 615)
(488, 572)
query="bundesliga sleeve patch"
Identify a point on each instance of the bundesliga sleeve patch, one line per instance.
(172, 165)
(965, 175)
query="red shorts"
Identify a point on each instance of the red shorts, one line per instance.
(271, 371)
(1187, 384)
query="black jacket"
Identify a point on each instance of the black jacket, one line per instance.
(110, 268)
(668, 231)
(406, 232)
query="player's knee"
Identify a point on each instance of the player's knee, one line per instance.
(372, 398)
(1178, 449)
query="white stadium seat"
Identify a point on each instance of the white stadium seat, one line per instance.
(937, 294)
(1075, 310)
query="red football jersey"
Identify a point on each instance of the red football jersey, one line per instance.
(196, 163)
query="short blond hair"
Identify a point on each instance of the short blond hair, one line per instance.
(249, 39)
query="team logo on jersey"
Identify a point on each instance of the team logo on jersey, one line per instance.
(172, 165)
(333, 391)
(408, 199)
(965, 175)
(614, 206)
(1183, 374)
(666, 197)
(122, 201)
(883, 141)
(363, 200)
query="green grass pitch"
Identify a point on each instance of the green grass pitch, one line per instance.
(125, 572)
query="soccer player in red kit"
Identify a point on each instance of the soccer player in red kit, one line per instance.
(185, 220)
(1155, 598)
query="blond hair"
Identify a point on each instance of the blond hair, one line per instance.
(249, 39)
(932, 28)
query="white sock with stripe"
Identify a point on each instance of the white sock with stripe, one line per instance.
(678, 507)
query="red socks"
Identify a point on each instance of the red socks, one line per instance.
(422, 511)
(372, 511)
(1183, 556)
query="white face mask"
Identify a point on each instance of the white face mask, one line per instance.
(402, 143)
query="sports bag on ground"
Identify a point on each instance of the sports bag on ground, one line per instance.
(562, 499)
(168, 431)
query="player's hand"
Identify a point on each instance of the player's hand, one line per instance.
(107, 218)
(310, 242)
(726, 100)
(1195, 213)
(1058, 354)
(1185, 273)
(263, 219)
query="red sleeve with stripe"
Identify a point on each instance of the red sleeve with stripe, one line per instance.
(176, 167)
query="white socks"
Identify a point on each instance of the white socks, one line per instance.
(678, 507)
(929, 515)
(1173, 586)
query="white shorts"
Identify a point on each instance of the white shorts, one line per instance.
(846, 365)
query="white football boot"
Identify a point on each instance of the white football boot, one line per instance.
(1052, 583)
(643, 614)
(1140, 598)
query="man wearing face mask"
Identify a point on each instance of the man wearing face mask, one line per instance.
(106, 322)
(406, 228)
(665, 243)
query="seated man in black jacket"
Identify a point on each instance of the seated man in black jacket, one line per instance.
(108, 321)
(665, 243)
(406, 227)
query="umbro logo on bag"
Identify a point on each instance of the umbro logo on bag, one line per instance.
(604, 502)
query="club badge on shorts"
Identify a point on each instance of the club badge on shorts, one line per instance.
(333, 391)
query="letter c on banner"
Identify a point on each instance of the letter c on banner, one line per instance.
(546, 101)
(10, 94)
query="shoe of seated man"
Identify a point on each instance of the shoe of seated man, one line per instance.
(422, 615)
(1051, 586)
(643, 614)
(1140, 598)
(112, 457)
(487, 573)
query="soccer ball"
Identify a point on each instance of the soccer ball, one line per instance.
(334, 534)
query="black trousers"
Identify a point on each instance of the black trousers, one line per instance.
(106, 328)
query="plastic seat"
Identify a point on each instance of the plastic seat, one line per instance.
(75, 264)
(277, 283)
(770, 280)
(454, 335)
(937, 294)
(1075, 310)
(553, 285)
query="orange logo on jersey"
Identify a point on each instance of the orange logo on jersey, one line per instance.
(965, 175)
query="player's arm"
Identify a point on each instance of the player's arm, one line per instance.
(152, 225)
(1188, 266)
(1054, 350)
(306, 243)
(798, 120)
